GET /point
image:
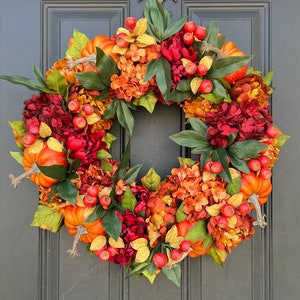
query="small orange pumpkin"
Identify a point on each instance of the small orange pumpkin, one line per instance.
(230, 49)
(253, 184)
(101, 41)
(46, 157)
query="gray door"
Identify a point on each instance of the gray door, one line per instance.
(34, 264)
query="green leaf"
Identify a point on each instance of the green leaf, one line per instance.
(239, 164)
(246, 149)
(58, 172)
(103, 154)
(268, 78)
(281, 139)
(174, 27)
(227, 65)
(67, 190)
(214, 98)
(184, 86)
(97, 214)
(219, 89)
(38, 74)
(47, 218)
(74, 165)
(57, 82)
(188, 138)
(220, 155)
(173, 274)
(180, 215)
(151, 180)
(106, 66)
(197, 232)
(163, 78)
(204, 156)
(79, 42)
(112, 224)
(212, 31)
(111, 110)
(179, 96)
(18, 132)
(186, 161)
(125, 117)
(129, 200)
(18, 157)
(199, 126)
(217, 255)
(132, 173)
(204, 147)
(121, 171)
(151, 69)
(90, 80)
(108, 139)
(148, 101)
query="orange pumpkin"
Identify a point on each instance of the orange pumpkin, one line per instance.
(101, 41)
(230, 49)
(46, 157)
(75, 217)
(253, 184)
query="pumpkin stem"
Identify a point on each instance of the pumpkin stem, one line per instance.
(253, 199)
(81, 230)
(91, 59)
(206, 47)
(16, 180)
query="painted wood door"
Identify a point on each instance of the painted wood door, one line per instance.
(34, 264)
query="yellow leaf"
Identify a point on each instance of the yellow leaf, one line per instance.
(150, 277)
(195, 84)
(172, 237)
(142, 254)
(79, 200)
(206, 61)
(153, 236)
(105, 191)
(55, 144)
(44, 130)
(234, 173)
(138, 243)
(236, 200)
(232, 221)
(88, 211)
(98, 242)
(119, 50)
(145, 40)
(116, 244)
(123, 30)
(130, 38)
(214, 210)
(185, 61)
(207, 176)
(92, 119)
(140, 27)
(36, 147)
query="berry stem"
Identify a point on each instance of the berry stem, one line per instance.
(81, 230)
(17, 180)
(206, 47)
(253, 199)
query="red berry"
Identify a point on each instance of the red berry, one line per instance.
(264, 160)
(120, 40)
(105, 201)
(265, 173)
(176, 254)
(200, 32)
(191, 68)
(254, 165)
(89, 201)
(74, 106)
(130, 23)
(206, 86)
(188, 38)
(79, 121)
(228, 210)
(222, 222)
(28, 139)
(34, 128)
(160, 259)
(201, 70)
(104, 255)
(244, 208)
(216, 167)
(93, 190)
(272, 132)
(189, 26)
(88, 109)
(185, 246)
(207, 166)
(112, 251)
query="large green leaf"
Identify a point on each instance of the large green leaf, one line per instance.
(151, 69)
(197, 232)
(227, 65)
(212, 31)
(129, 200)
(219, 256)
(91, 80)
(121, 171)
(163, 78)
(58, 172)
(239, 163)
(111, 110)
(97, 214)
(246, 149)
(173, 274)
(79, 42)
(125, 117)
(151, 180)
(112, 224)
(148, 101)
(220, 155)
(57, 82)
(132, 173)
(67, 190)
(18, 157)
(199, 126)
(174, 27)
(188, 138)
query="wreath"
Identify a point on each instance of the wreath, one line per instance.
(207, 203)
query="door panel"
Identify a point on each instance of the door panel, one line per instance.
(37, 260)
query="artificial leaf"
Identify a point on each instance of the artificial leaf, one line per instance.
(234, 187)
(18, 156)
(148, 101)
(236, 199)
(76, 44)
(44, 130)
(119, 243)
(199, 126)
(172, 237)
(207, 176)
(47, 218)
(281, 139)
(212, 32)
(90, 80)
(195, 84)
(67, 190)
(239, 164)
(219, 256)
(111, 110)
(206, 61)
(232, 221)
(184, 86)
(173, 274)
(138, 243)
(108, 139)
(121, 171)
(197, 232)
(151, 180)
(174, 27)
(214, 210)
(112, 224)
(98, 243)
(179, 96)
(145, 40)
(151, 69)
(36, 147)
(180, 215)
(150, 277)
(18, 132)
(56, 82)
(213, 97)
(38, 74)
(268, 78)
(163, 78)
(246, 149)
(58, 172)
(132, 173)
(140, 27)
(218, 89)
(185, 161)
(142, 254)
(125, 117)
(55, 144)
(97, 214)
(129, 200)
(220, 155)
(188, 138)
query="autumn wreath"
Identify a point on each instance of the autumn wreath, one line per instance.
(207, 204)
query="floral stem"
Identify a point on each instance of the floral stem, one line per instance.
(253, 199)
(206, 47)
(17, 180)
(90, 59)
(81, 230)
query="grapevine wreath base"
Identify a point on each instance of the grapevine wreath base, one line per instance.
(206, 205)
